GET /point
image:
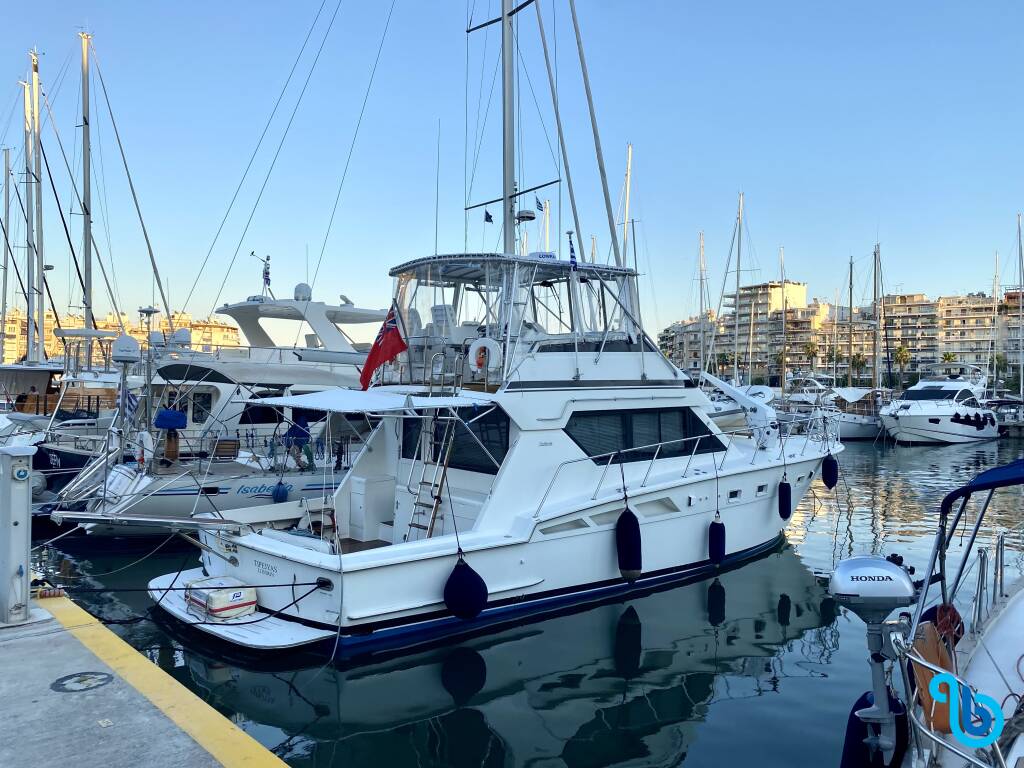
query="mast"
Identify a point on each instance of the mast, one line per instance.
(995, 317)
(7, 252)
(849, 333)
(835, 339)
(736, 306)
(703, 277)
(508, 60)
(619, 256)
(625, 220)
(86, 199)
(40, 261)
(782, 271)
(1020, 312)
(876, 347)
(30, 245)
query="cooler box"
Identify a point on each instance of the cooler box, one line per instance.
(219, 598)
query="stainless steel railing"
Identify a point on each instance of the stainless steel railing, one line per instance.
(817, 429)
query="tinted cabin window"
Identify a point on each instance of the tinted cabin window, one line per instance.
(202, 402)
(929, 393)
(491, 430)
(260, 414)
(410, 436)
(311, 416)
(600, 433)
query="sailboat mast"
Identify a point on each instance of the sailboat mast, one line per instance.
(703, 309)
(508, 61)
(1020, 312)
(30, 245)
(86, 199)
(876, 347)
(849, 333)
(40, 261)
(7, 252)
(625, 220)
(736, 306)
(782, 272)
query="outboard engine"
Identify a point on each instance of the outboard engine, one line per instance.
(873, 587)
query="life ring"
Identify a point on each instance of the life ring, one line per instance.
(485, 354)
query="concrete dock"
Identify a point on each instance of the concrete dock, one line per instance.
(75, 694)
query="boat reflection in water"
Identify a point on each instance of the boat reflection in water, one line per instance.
(624, 683)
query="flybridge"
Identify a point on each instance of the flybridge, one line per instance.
(478, 319)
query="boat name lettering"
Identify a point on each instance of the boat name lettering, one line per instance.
(267, 569)
(247, 490)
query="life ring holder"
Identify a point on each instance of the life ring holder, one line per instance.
(484, 357)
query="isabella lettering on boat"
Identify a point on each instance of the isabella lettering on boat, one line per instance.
(256, 489)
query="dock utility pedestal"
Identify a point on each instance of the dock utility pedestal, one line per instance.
(15, 533)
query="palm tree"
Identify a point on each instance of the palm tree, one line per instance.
(811, 350)
(857, 364)
(901, 356)
(948, 357)
(1001, 364)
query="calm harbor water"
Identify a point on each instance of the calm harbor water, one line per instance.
(754, 666)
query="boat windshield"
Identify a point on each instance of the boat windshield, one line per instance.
(496, 308)
(930, 393)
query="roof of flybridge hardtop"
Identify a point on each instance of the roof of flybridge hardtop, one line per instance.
(475, 267)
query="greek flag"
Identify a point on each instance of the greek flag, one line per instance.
(540, 204)
(131, 403)
(572, 256)
(487, 217)
(266, 272)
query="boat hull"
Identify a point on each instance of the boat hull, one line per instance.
(919, 429)
(393, 596)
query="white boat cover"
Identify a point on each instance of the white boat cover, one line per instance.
(374, 401)
(852, 394)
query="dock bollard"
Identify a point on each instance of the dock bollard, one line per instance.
(15, 532)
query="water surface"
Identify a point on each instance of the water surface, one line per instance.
(755, 666)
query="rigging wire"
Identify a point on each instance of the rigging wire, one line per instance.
(277, 152)
(355, 136)
(74, 186)
(131, 187)
(252, 157)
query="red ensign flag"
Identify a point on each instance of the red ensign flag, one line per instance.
(388, 345)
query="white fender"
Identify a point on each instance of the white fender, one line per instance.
(485, 353)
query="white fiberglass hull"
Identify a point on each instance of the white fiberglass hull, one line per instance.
(926, 427)
(853, 426)
(184, 495)
(395, 593)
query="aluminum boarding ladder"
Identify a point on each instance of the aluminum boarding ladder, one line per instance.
(429, 500)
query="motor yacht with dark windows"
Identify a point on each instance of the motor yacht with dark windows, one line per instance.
(530, 449)
(943, 408)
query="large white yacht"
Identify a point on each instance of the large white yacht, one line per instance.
(522, 459)
(531, 449)
(943, 408)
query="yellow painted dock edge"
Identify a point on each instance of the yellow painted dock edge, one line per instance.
(224, 740)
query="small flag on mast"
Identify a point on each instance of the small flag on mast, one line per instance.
(540, 204)
(487, 217)
(572, 255)
(386, 347)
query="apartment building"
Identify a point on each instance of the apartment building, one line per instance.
(751, 323)
(681, 341)
(968, 327)
(912, 321)
(206, 333)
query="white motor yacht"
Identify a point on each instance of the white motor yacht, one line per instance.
(531, 449)
(943, 408)
(514, 467)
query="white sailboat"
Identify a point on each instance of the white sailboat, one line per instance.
(526, 455)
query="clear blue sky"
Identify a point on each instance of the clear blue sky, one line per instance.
(843, 123)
